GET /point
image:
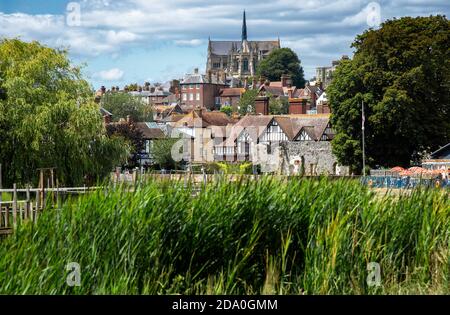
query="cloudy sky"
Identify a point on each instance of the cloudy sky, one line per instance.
(156, 40)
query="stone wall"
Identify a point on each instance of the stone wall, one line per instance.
(315, 156)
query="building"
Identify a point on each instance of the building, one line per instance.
(201, 91)
(196, 130)
(151, 132)
(231, 97)
(287, 144)
(325, 74)
(238, 59)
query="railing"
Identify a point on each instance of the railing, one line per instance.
(16, 211)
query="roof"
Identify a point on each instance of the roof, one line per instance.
(197, 78)
(222, 48)
(274, 90)
(148, 132)
(203, 118)
(441, 152)
(256, 125)
(231, 92)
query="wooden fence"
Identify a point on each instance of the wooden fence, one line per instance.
(16, 210)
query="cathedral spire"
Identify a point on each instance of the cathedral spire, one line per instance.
(244, 28)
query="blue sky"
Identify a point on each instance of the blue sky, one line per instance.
(127, 41)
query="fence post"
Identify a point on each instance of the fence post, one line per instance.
(57, 194)
(14, 205)
(27, 204)
(37, 205)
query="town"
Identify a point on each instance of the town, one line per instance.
(201, 148)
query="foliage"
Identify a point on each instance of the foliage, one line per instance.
(122, 104)
(278, 106)
(282, 61)
(402, 73)
(235, 237)
(133, 136)
(246, 103)
(48, 118)
(235, 168)
(162, 154)
(226, 109)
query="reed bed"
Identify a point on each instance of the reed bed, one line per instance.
(301, 236)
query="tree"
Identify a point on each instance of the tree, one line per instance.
(246, 103)
(226, 109)
(133, 136)
(162, 153)
(278, 106)
(282, 61)
(122, 104)
(401, 72)
(48, 118)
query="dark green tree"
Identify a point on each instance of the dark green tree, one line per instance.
(282, 61)
(402, 73)
(133, 136)
(122, 104)
(162, 153)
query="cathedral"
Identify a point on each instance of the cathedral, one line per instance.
(237, 59)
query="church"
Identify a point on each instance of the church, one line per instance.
(237, 59)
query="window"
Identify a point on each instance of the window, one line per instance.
(197, 86)
(191, 96)
(216, 65)
(191, 86)
(245, 65)
(198, 97)
(184, 97)
(217, 100)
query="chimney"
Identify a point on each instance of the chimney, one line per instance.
(113, 89)
(103, 89)
(297, 106)
(262, 105)
(290, 92)
(267, 83)
(283, 80)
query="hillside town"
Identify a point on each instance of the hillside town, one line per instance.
(288, 143)
(293, 141)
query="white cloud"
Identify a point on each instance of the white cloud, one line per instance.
(113, 74)
(188, 42)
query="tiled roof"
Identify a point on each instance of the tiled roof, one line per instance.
(197, 78)
(149, 133)
(231, 92)
(203, 118)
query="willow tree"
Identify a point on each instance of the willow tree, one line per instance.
(48, 118)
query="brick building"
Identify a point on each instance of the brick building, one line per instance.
(201, 91)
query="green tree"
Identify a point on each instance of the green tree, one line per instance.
(246, 103)
(226, 109)
(282, 61)
(401, 72)
(48, 118)
(278, 106)
(122, 104)
(162, 154)
(133, 136)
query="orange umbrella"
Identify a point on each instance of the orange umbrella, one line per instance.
(397, 169)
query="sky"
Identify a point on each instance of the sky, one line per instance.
(134, 41)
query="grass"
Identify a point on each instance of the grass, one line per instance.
(245, 237)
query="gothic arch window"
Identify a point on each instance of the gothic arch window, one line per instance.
(245, 65)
